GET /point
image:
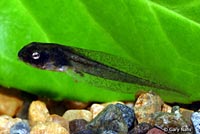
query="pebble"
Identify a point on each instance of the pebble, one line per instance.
(95, 109)
(195, 118)
(76, 105)
(106, 118)
(146, 105)
(129, 104)
(60, 120)
(166, 108)
(156, 131)
(6, 122)
(127, 113)
(38, 112)
(109, 120)
(48, 128)
(111, 132)
(172, 123)
(86, 131)
(70, 115)
(176, 111)
(77, 125)
(186, 113)
(9, 104)
(20, 128)
(113, 102)
(141, 128)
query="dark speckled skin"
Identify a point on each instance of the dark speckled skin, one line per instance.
(48, 54)
(59, 58)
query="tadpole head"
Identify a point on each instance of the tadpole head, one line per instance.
(34, 54)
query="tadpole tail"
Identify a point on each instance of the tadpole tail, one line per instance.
(107, 72)
(84, 64)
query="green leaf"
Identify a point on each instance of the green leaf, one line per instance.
(159, 38)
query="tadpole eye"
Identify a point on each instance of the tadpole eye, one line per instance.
(35, 55)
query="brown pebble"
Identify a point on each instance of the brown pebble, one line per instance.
(166, 108)
(186, 115)
(155, 131)
(9, 103)
(77, 125)
(146, 105)
(172, 123)
(60, 120)
(6, 123)
(76, 105)
(38, 112)
(48, 128)
(141, 128)
(77, 114)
